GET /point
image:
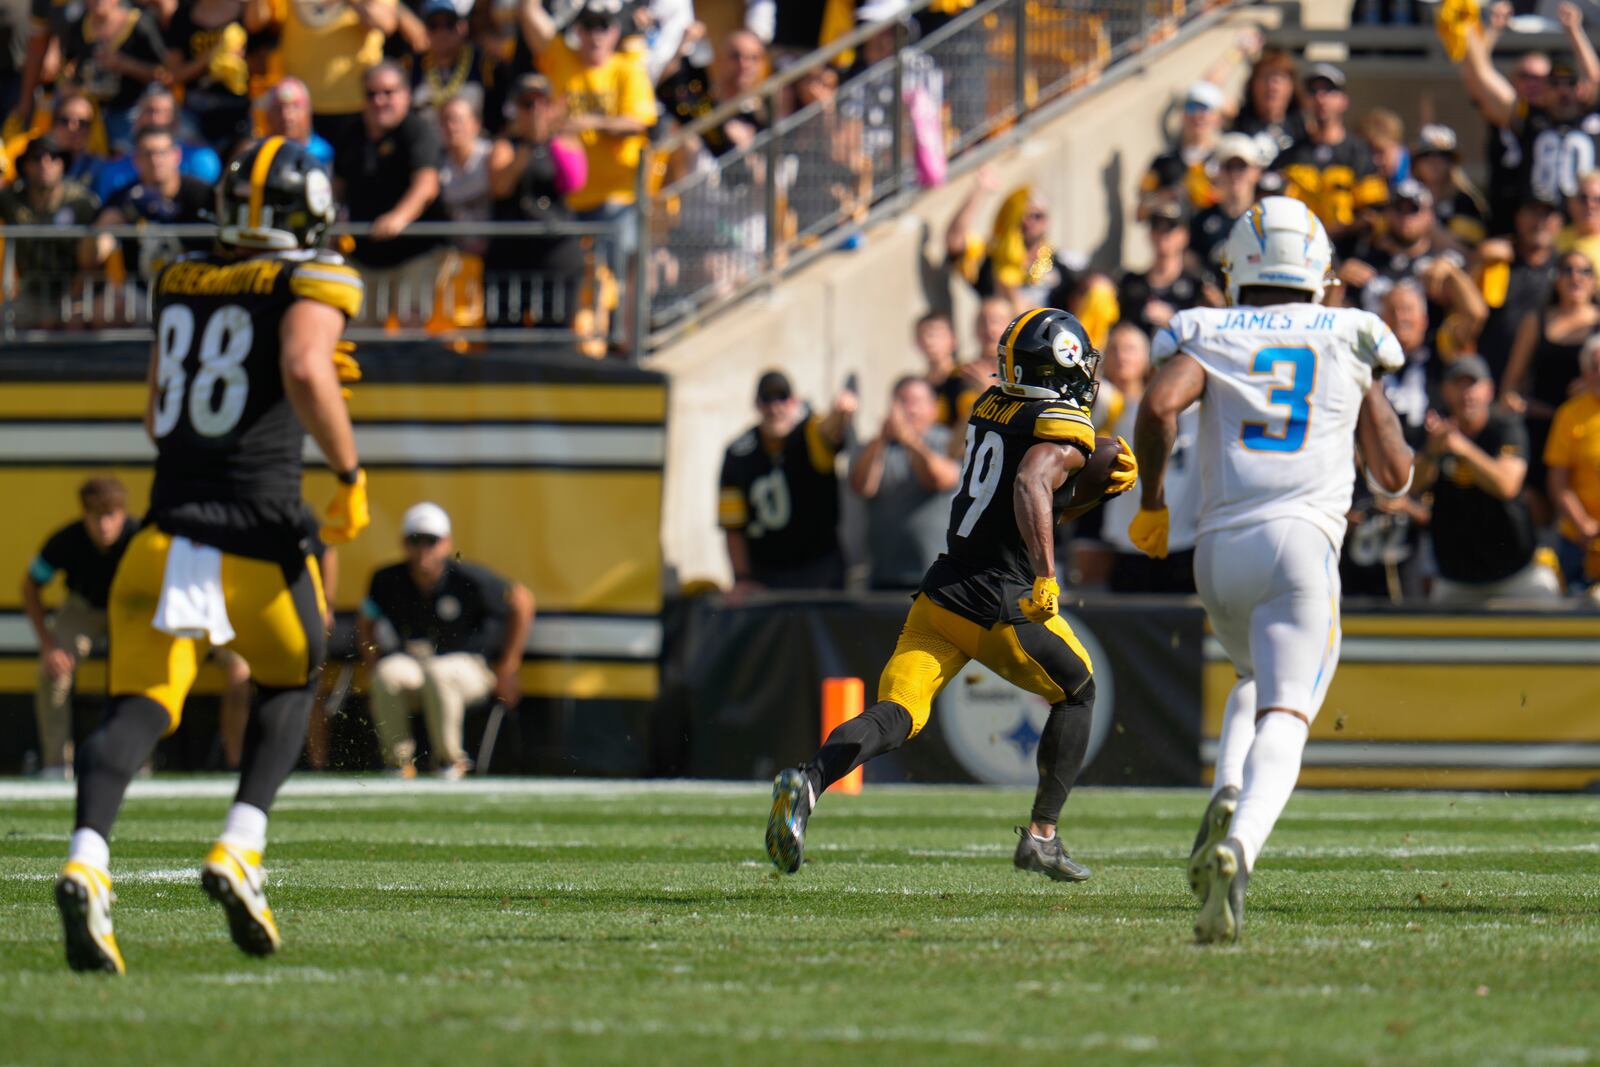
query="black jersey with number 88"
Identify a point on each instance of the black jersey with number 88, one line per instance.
(224, 429)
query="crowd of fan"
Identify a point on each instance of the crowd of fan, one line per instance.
(460, 111)
(1491, 292)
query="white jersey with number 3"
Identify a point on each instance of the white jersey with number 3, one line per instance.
(1284, 386)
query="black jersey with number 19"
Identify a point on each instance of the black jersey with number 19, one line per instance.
(228, 441)
(986, 561)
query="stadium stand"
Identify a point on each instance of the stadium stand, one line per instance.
(794, 185)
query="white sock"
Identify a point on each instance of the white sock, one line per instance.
(1036, 837)
(1270, 771)
(89, 847)
(1238, 731)
(246, 828)
(811, 793)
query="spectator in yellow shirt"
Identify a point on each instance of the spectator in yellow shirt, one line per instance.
(1572, 457)
(329, 45)
(610, 106)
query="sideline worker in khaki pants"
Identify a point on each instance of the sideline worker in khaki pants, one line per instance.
(451, 633)
(86, 551)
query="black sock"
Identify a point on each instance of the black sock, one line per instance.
(1061, 749)
(882, 728)
(273, 739)
(112, 755)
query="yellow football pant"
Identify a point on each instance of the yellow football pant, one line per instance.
(1046, 659)
(276, 612)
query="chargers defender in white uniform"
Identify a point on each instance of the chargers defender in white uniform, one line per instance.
(1286, 388)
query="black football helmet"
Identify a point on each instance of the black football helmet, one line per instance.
(1046, 354)
(274, 195)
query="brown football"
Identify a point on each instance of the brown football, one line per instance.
(1090, 484)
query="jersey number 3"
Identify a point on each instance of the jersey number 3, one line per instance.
(1296, 396)
(217, 394)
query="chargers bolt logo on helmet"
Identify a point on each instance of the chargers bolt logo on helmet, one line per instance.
(1046, 354)
(1278, 242)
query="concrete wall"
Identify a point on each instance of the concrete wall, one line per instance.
(854, 311)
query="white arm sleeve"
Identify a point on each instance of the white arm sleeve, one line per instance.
(1377, 345)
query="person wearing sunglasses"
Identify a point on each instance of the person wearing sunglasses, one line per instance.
(610, 104)
(452, 62)
(329, 47)
(1330, 170)
(438, 634)
(42, 195)
(1181, 172)
(778, 502)
(1235, 170)
(390, 178)
(1544, 364)
(1552, 131)
(1410, 245)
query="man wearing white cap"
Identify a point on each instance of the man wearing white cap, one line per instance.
(450, 633)
(1181, 173)
(1235, 170)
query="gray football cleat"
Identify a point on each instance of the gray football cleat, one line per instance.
(1222, 906)
(1048, 858)
(1214, 826)
(786, 825)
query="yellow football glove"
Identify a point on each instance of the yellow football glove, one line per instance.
(348, 513)
(345, 365)
(1124, 473)
(1042, 604)
(1148, 532)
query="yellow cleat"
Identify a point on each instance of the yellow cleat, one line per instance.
(233, 878)
(83, 895)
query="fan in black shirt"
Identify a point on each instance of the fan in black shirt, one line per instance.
(1477, 459)
(779, 497)
(1150, 298)
(161, 195)
(86, 551)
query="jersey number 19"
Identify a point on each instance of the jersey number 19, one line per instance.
(980, 475)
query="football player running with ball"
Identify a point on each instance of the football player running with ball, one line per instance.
(243, 366)
(992, 596)
(1287, 389)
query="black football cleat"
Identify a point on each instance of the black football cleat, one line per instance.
(1214, 826)
(1224, 881)
(786, 825)
(1048, 858)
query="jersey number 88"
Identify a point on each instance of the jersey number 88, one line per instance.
(217, 394)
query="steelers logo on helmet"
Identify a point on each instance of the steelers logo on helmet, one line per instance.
(1068, 349)
(1046, 354)
(319, 194)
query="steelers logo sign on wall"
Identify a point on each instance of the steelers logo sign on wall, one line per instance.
(993, 728)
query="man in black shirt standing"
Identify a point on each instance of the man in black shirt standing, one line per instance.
(452, 633)
(779, 501)
(1477, 458)
(390, 178)
(1516, 276)
(86, 551)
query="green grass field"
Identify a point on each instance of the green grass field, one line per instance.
(630, 924)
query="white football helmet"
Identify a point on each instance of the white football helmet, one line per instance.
(1279, 242)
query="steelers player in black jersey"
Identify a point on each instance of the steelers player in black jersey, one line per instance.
(243, 366)
(992, 596)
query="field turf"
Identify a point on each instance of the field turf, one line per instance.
(625, 923)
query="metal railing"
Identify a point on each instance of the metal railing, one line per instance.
(480, 282)
(708, 229)
(721, 226)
